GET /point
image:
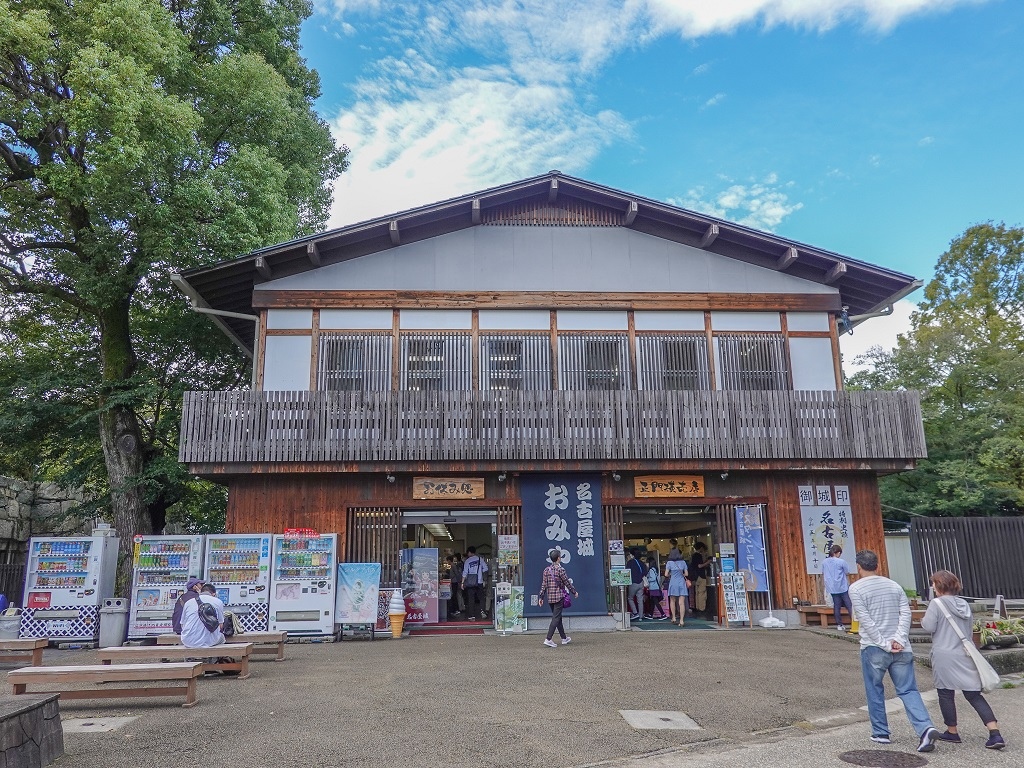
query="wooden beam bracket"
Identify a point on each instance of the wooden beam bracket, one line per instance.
(838, 270)
(263, 268)
(476, 211)
(709, 236)
(313, 254)
(553, 191)
(393, 231)
(631, 213)
(786, 259)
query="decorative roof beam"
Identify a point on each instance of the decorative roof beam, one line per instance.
(553, 191)
(476, 211)
(838, 270)
(393, 231)
(313, 254)
(709, 236)
(263, 268)
(786, 259)
(631, 213)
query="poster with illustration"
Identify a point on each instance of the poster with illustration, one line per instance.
(287, 591)
(358, 590)
(508, 612)
(147, 598)
(420, 584)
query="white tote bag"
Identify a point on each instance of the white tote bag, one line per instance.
(989, 677)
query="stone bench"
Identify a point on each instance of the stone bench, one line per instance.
(238, 651)
(31, 735)
(96, 674)
(264, 642)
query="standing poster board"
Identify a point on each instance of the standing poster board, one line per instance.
(358, 588)
(734, 593)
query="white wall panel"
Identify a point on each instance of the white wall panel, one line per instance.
(746, 321)
(807, 321)
(287, 362)
(435, 319)
(812, 364)
(586, 320)
(668, 321)
(355, 319)
(514, 320)
(289, 319)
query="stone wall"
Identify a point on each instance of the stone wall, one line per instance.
(31, 735)
(35, 509)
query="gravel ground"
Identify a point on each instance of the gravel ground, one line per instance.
(479, 701)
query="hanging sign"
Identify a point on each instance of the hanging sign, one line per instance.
(563, 512)
(826, 523)
(667, 486)
(750, 546)
(508, 550)
(301, 533)
(448, 488)
(620, 577)
(617, 546)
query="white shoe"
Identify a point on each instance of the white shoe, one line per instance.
(840, 628)
(550, 644)
(566, 640)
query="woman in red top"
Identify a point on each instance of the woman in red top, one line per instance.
(552, 591)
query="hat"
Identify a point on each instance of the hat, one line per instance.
(192, 582)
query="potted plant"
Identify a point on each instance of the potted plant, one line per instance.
(998, 633)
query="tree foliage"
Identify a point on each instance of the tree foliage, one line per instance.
(138, 138)
(965, 354)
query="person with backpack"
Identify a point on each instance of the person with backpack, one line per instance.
(473, 574)
(200, 621)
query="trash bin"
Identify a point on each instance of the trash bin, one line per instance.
(113, 622)
(10, 623)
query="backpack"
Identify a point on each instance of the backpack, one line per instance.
(208, 615)
(232, 626)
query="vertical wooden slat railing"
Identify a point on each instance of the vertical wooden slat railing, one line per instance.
(374, 536)
(228, 427)
(985, 552)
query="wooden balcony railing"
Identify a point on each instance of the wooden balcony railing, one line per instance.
(224, 427)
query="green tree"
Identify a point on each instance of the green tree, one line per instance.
(965, 354)
(137, 139)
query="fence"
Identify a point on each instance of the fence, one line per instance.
(985, 552)
(12, 581)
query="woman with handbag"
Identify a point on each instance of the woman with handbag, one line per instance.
(654, 593)
(554, 590)
(678, 587)
(954, 668)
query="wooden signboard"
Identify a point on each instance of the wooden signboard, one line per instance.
(668, 486)
(448, 488)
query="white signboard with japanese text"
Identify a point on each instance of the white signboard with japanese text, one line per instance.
(826, 523)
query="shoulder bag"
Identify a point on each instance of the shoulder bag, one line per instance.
(989, 677)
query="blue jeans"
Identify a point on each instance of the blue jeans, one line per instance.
(874, 663)
(839, 601)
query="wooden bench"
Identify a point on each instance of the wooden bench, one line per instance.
(22, 650)
(823, 616)
(238, 651)
(20, 679)
(264, 642)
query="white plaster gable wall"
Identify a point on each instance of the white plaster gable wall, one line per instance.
(595, 259)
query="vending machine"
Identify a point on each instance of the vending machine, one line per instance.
(162, 566)
(239, 567)
(66, 581)
(303, 582)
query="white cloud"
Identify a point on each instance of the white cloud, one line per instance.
(925, 141)
(425, 124)
(877, 332)
(759, 204)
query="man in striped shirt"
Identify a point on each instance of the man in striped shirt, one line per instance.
(883, 612)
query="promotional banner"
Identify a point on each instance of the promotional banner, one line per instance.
(750, 547)
(508, 611)
(420, 585)
(358, 589)
(563, 512)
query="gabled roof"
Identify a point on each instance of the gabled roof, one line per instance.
(228, 286)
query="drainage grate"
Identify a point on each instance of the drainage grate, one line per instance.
(880, 758)
(658, 720)
(95, 724)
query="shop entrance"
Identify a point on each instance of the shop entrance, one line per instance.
(651, 531)
(433, 542)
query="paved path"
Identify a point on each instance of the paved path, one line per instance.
(509, 701)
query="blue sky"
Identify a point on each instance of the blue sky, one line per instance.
(880, 129)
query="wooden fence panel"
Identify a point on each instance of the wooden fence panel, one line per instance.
(985, 552)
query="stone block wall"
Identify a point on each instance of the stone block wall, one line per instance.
(35, 509)
(31, 735)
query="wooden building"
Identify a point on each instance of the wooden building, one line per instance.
(412, 372)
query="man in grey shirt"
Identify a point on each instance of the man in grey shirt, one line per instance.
(883, 611)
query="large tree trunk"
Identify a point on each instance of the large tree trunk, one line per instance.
(122, 441)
